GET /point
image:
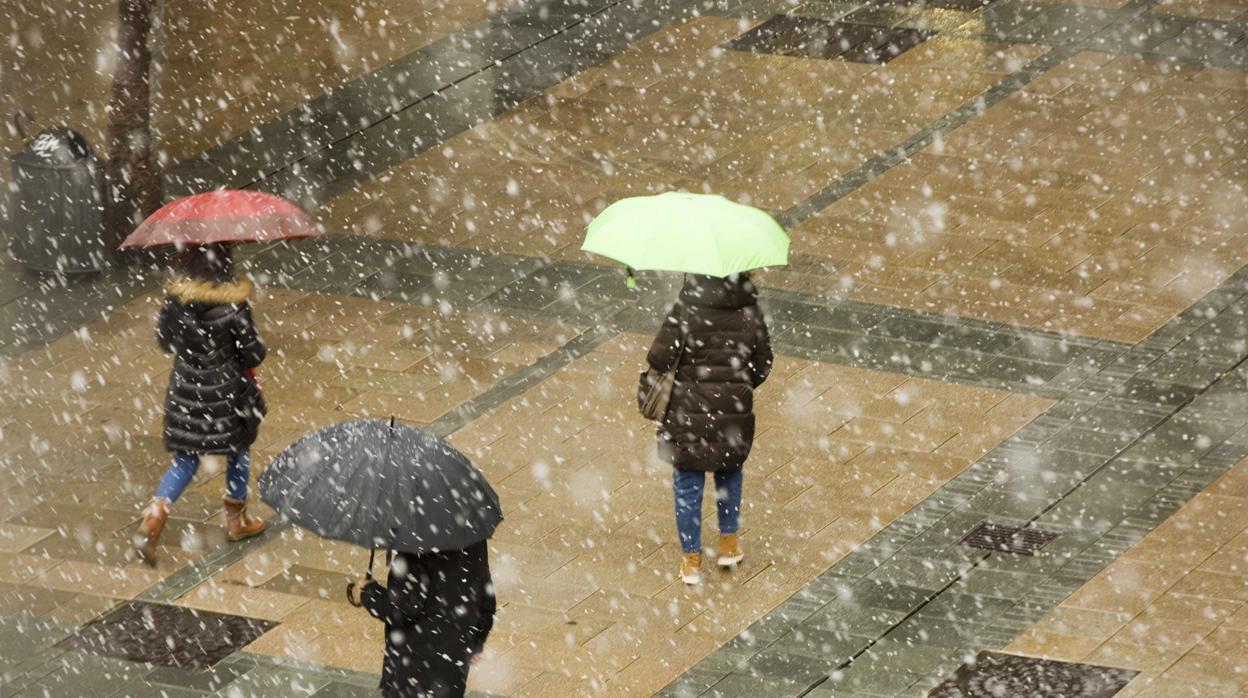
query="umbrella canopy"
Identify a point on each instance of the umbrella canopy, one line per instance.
(382, 485)
(692, 233)
(222, 216)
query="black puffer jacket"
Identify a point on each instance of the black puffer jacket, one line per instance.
(438, 609)
(212, 405)
(710, 419)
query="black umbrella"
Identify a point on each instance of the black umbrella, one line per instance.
(382, 485)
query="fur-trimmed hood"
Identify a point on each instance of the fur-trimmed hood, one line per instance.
(193, 291)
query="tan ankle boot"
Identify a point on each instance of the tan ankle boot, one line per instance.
(730, 552)
(238, 525)
(154, 518)
(691, 568)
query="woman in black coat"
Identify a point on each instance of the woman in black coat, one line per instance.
(213, 405)
(438, 609)
(717, 340)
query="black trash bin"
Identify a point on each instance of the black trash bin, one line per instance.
(58, 205)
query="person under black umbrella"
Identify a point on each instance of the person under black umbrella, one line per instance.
(400, 488)
(438, 609)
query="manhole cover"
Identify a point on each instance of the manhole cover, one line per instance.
(166, 635)
(994, 675)
(1008, 539)
(807, 37)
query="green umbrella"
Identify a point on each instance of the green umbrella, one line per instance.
(692, 233)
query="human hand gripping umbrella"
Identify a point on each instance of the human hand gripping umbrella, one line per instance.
(690, 233)
(379, 484)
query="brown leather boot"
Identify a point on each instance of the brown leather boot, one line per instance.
(730, 552)
(238, 525)
(154, 517)
(691, 568)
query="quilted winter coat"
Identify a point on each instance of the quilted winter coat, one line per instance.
(710, 420)
(213, 405)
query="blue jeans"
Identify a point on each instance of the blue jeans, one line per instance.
(180, 474)
(688, 486)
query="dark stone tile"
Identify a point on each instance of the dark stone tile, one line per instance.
(827, 9)
(1094, 507)
(882, 15)
(804, 669)
(781, 34)
(889, 657)
(1047, 349)
(693, 682)
(923, 572)
(745, 686)
(956, 605)
(1100, 443)
(1108, 419)
(999, 584)
(819, 638)
(939, 632)
(204, 680)
(154, 690)
(873, 683)
(847, 317)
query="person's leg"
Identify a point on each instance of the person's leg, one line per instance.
(238, 525)
(237, 473)
(177, 477)
(687, 486)
(728, 499)
(171, 486)
(728, 509)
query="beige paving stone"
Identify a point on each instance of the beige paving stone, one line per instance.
(241, 601)
(99, 580)
(1070, 620)
(1070, 648)
(1210, 670)
(16, 568)
(15, 538)
(1127, 586)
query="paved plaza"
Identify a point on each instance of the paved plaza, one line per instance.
(1007, 427)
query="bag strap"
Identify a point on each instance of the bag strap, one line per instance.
(683, 319)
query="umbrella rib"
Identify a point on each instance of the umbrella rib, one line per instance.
(385, 461)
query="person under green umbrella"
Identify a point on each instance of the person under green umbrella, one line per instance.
(711, 352)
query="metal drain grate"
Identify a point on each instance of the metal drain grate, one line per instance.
(994, 674)
(1007, 539)
(807, 37)
(166, 635)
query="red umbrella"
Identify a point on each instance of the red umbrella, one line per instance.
(226, 215)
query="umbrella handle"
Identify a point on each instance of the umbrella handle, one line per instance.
(351, 595)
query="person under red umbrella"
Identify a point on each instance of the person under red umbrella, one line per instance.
(214, 404)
